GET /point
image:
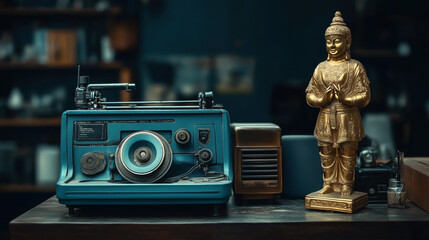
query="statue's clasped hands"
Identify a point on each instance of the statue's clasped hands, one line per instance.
(337, 92)
(333, 92)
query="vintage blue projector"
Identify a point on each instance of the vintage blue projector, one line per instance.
(149, 152)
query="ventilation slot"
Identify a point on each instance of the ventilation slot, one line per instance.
(259, 165)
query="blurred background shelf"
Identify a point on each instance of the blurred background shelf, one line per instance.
(30, 122)
(38, 66)
(26, 188)
(55, 12)
(376, 53)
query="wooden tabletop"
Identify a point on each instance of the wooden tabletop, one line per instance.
(255, 220)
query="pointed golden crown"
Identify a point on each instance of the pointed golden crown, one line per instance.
(338, 27)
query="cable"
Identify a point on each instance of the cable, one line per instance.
(181, 176)
(221, 176)
(218, 178)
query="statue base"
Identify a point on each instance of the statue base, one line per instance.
(335, 202)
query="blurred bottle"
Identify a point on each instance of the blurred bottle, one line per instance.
(7, 157)
(47, 164)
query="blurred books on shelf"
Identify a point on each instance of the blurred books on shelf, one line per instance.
(61, 46)
(56, 46)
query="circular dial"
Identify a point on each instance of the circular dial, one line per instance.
(93, 163)
(205, 155)
(182, 136)
(143, 156)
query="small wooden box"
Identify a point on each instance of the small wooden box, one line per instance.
(257, 160)
(415, 176)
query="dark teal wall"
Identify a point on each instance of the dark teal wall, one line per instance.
(285, 37)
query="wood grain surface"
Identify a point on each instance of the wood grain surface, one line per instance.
(251, 220)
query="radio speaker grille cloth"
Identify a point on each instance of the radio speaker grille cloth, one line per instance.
(259, 164)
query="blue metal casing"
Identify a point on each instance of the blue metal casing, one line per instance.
(76, 188)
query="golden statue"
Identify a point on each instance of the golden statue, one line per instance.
(339, 87)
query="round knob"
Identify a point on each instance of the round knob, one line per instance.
(93, 163)
(205, 155)
(142, 155)
(182, 136)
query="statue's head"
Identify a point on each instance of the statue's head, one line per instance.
(338, 38)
